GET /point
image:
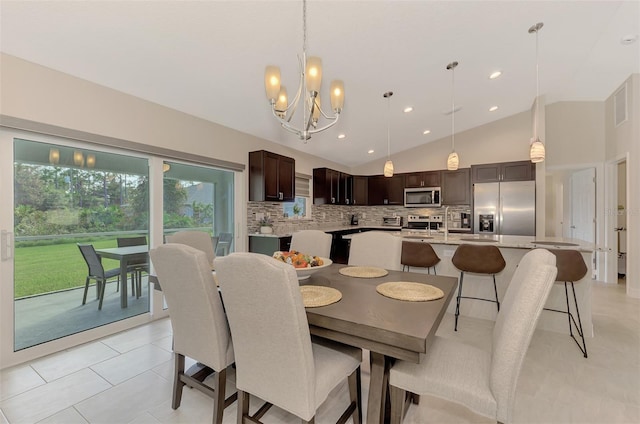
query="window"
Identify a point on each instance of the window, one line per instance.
(298, 208)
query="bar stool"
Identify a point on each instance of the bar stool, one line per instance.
(571, 268)
(478, 260)
(418, 255)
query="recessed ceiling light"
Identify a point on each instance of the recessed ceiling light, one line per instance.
(425, 132)
(629, 39)
(495, 75)
(493, 108)
(341, 136)
(408, 109)
(370, 151)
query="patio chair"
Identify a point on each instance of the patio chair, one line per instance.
(96, 272)
(224, 244)
(135, 267)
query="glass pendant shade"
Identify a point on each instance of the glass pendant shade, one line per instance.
(282, 102)
(272, 82)
(337, 95)
(536, 152)
(452, 161)
(313, 74)
(54, 156)
(91, 161)
(388, 169)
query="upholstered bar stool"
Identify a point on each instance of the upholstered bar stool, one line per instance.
(478, 260)
(571, 268)
(421, 255)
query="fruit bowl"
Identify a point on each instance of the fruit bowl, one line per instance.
(304, 273)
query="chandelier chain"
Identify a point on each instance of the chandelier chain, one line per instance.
(389, 127)
(304, 26)
(535, 135)
(453, 108)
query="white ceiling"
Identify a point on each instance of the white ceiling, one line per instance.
(207, 58)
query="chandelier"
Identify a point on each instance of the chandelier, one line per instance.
(307, 95)
(537, 150)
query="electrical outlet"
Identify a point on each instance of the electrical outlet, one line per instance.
(364, 215)
(341, 215)
(259, 216)
(448, 253)
(324, 215)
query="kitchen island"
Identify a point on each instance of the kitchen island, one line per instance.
(513, 248)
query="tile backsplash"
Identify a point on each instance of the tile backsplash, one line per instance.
(325, 216)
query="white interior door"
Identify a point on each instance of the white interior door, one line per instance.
(583, 205)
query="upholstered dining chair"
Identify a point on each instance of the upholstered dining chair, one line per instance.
(276, 360)
(200, 328)
(312, 242)
(197, 239)
(96, 272)
(376, 248)
(484, 382)
(136, 267)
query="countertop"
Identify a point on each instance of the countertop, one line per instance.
(518, 242)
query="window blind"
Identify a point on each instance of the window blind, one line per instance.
(302, 185)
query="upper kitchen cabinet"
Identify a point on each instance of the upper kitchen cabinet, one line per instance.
(386, 190)
(422, 179)
(326, 186)
(505, 171)
(456, 187)
(272, 177)
(360, 190)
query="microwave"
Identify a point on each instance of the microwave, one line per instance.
(422, 197)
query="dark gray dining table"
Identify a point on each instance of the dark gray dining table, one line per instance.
(390, 329)
(124, 255)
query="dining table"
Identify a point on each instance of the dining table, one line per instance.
(390, 329)
(125, 255)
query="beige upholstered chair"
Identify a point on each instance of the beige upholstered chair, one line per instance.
(200, 328)
(196, 239)
(484, 382)
(376, 248)
(312, 242)
(275, 357)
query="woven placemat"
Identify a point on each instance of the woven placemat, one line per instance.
(315, 296)
(413, 292)
(363, 271)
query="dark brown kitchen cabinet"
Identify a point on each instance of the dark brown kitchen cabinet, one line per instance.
(360, 190)
(272, 177)
(456, 187)
(326, 186)
(422, 179)
(345, 189)
(505, 171)
(386, 190)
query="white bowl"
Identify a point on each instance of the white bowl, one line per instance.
(304, 273)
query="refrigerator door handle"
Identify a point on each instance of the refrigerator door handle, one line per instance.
(500, 214)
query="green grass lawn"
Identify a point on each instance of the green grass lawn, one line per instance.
(42, 269)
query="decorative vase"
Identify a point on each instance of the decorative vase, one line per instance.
(266, 230)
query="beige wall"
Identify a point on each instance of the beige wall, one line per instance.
(503, 140)
(33, 92)
(575, 133)
(621, 141)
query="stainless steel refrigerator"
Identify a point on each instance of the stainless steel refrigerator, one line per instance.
(506, 208)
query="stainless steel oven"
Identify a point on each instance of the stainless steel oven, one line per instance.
(423, 197)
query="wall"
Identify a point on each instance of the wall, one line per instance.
(34, 92)
(621, 141)
(503, 140)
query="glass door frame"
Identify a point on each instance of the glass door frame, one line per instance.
(7, 316)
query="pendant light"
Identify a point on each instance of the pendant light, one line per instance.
(388, 165)
(536, 151)
(452, 160)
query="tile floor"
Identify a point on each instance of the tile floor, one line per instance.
(127, 378)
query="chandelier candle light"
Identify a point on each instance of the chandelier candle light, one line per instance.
(536, 151)
(310, 70)
(388, 165)
(452, 160)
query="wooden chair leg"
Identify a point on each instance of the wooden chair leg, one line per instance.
(178, 384)
(354, 395)
(397, 404)
(243, 406)
(220, 383)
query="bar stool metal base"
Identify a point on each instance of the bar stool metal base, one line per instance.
(571, 319)
(459, 296)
